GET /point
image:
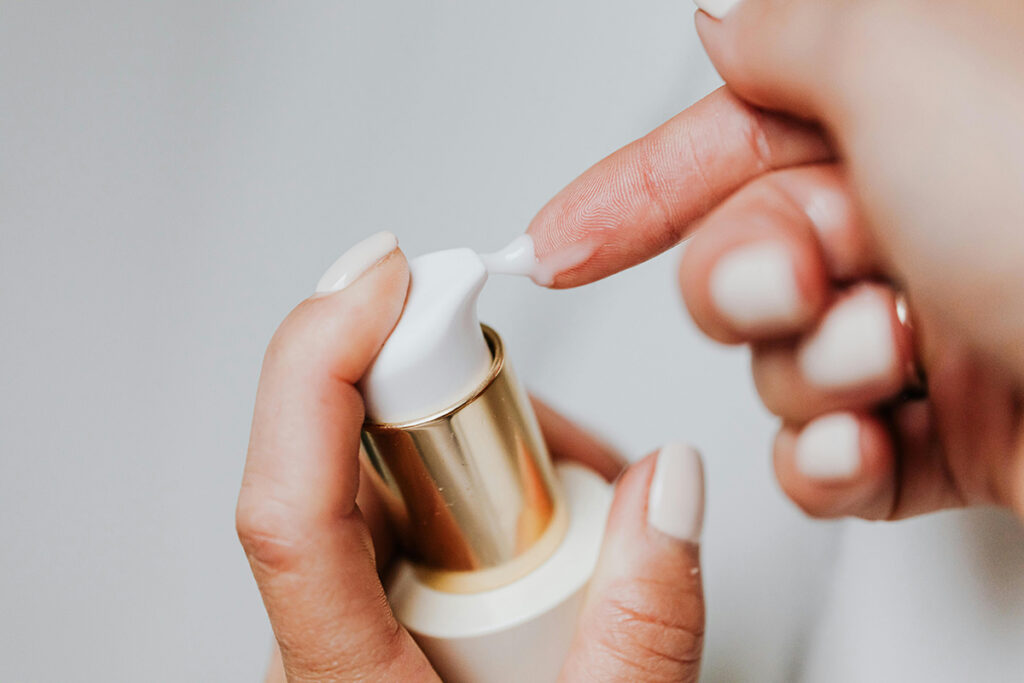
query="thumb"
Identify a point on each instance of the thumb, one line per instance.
(305, 538)
(643, 618)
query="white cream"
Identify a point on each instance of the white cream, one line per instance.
(558, 262)
(519, 257)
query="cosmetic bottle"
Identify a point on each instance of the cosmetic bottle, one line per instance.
(498, 543)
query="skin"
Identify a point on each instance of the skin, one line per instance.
(839, 137)
(878, 143)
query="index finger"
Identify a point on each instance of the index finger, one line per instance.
(646, 197)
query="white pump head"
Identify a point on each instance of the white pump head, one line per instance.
(437, 354)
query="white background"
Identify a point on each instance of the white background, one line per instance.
(174, 176)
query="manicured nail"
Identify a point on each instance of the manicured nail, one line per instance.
(854, 344)
(716, 8)
(357, 261)
(754, 286)
(829, 447)
(675, 502)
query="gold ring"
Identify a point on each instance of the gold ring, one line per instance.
(916, 382)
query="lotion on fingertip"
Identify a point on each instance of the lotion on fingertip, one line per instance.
(519, 257)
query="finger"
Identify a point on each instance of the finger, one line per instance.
(306, 540)
(849, 65)
(855, 357)
(567, 441)
(375, 515)
(644, 198)
(856, 464)
(839, 464)
(275, 669)
(643, 618)
(762, 264)
(978, 409)
(779, 55)
(822, 199)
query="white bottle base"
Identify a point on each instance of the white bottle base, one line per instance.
(521, 631)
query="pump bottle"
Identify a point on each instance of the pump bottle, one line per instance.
(498, 543)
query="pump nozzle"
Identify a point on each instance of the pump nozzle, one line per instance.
(437, 354)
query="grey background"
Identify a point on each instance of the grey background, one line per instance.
(174, 176)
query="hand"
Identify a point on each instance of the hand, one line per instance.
(858, 146)
(316, 537)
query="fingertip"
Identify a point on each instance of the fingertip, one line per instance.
(826, 202)
(766, 289)
(659, 501)
(753, 272)
(716, 9)
(718, 37)
(337, 333)
(644, 610)
(356, 260)
(693, 276)
(839, 464)
(675, 501)
(647, 196)
(856, 356)
(627, 513)
(709, 31)
(858, 342)
(772, 54)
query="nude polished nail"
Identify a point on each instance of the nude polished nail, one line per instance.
(829, 447)
(754, 286)
(716, 8)
(356, 261)
(675, 502)
(853, 346)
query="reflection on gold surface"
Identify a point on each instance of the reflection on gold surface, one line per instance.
(471, 488)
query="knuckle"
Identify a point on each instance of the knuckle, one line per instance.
(653, 627)
(270, 534)
(655, 188)
(758, 141)
(699, 157)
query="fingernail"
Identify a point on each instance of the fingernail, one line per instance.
(357, 261)
(675, 502)
(829, 447)
(716, 8)
(755, 286)
(854, 344)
